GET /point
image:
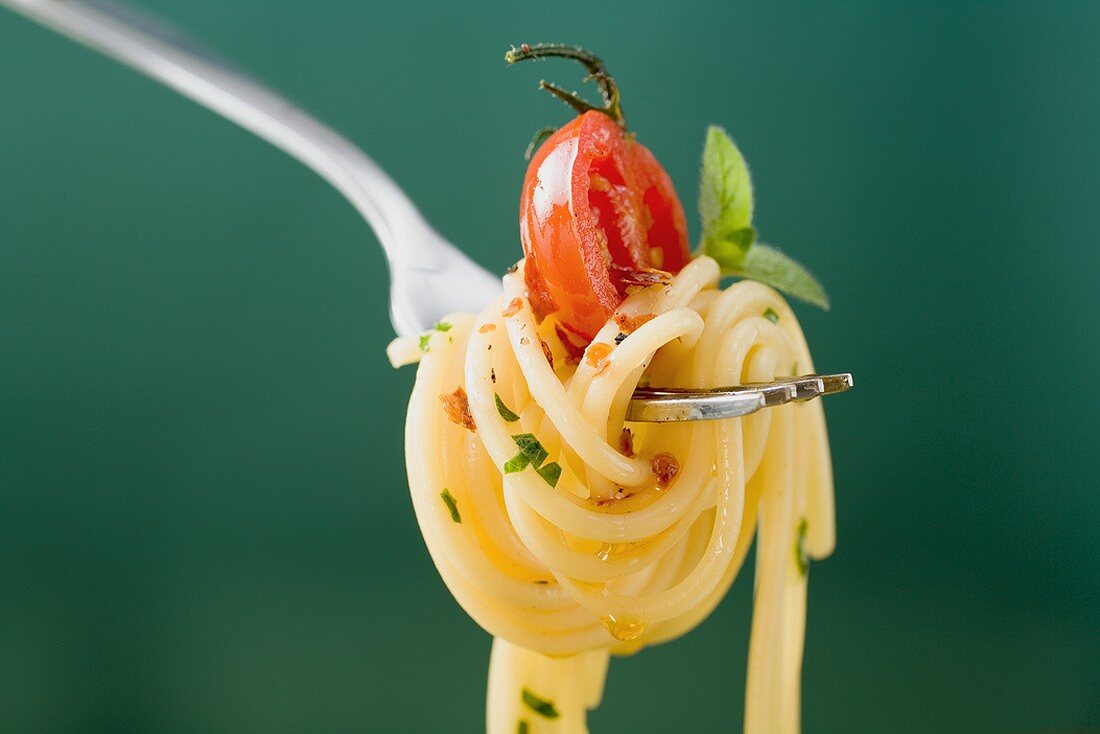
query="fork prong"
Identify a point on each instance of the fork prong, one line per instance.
(667, 404)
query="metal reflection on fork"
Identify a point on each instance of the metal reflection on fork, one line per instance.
(429, 276)
(664, 405)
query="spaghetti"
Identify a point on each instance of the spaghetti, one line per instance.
(569, 535)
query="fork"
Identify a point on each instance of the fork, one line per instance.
(429, 276)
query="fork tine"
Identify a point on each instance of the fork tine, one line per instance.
(668, 404)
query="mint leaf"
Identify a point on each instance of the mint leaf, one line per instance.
(505, 413)
(726, 206)
(452, 504)
(769, 265)
(725, 197)
(730, 251)
(539, 705)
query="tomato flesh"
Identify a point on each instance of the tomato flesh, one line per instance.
(595, 204)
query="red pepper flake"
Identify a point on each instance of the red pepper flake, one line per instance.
(513, 308)
(665, 468)
(573, 351)
(626, 443)
(547, 353)
(457, 407)
(597, 353)
(630, 324)
(486, 328)
(597, 356)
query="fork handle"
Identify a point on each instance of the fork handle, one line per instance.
(161, 52)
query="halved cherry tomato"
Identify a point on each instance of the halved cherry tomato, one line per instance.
(596, 209)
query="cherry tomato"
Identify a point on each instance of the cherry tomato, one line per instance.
(596, 209)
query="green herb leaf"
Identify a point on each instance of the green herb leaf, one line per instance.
(505, 413)
(530, 447)
(452, 504)
(725, 198)
(517, 463)
(769, 265)
(726, 206)
(442, 326)
(800, 556)
(425, 342)
(550, 473)
(771, 315)
(531, 452)
(540, 706)
(522, 727)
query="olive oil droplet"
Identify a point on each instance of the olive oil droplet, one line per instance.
(623, 628)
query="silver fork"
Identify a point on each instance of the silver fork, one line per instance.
(429, 276)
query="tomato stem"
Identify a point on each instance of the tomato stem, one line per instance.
(597, 72)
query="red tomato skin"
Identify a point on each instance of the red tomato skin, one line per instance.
(669, 229)
(572, 233)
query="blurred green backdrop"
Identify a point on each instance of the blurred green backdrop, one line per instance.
(204, 523)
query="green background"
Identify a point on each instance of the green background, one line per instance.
(204, 523)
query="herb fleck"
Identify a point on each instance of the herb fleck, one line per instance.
(771, 315)
(522, 728)
(505, 413)
(800, 556)
(531, 453)
(550, 473)
(540, 706)
(442, 326)
(425, 342)
(452, 505)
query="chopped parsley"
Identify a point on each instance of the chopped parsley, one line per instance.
(452, 505)
(771, 315)
(532, 453)
(800, 556)
(505, 413)
(550, 473)
(522, 727)
(426, 339)
(540, 706)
